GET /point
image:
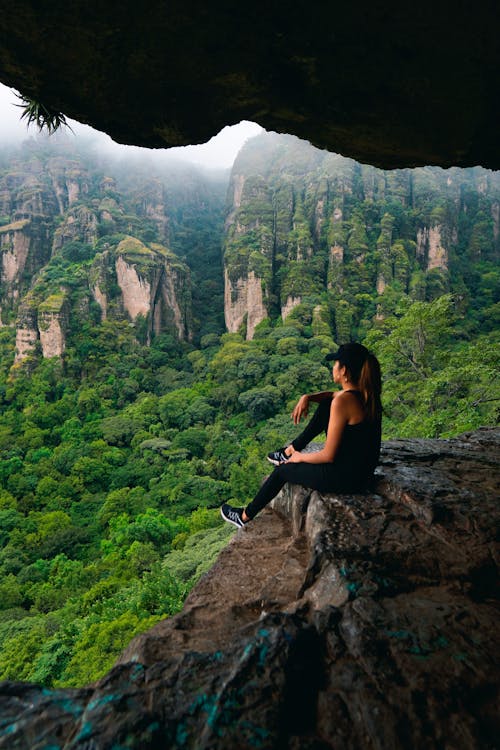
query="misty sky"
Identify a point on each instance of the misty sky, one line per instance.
(220, 151)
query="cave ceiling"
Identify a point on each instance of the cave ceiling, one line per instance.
(386, 83)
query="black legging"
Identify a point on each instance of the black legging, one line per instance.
(322, 477)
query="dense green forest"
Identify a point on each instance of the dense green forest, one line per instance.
(116, 455)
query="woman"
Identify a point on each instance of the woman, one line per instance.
(351, 419)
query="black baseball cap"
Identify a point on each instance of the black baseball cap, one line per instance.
(353, 355)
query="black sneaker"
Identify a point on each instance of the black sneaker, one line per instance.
(232, 515)
(278, 457)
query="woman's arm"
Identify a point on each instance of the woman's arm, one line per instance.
(339, 417)
(301, 408)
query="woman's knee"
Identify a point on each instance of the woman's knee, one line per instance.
(286, 472)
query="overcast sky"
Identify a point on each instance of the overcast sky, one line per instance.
(220, 151)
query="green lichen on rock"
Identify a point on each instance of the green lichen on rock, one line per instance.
(14, 226)
(53, 304)
(131, 246)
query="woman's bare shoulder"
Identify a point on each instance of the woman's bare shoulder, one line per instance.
(354, 395)
(341, 401)
(349, 403)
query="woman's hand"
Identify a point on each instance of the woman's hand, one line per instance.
(295, 458)
(301, 409)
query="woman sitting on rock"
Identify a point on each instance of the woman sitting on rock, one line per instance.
(351, 419)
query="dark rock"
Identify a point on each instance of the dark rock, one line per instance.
(380, 82)
(346, 621)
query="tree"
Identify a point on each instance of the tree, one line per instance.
(412, 340)
(260, 402)
(173, 407)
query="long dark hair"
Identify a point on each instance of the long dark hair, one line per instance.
(370, 385)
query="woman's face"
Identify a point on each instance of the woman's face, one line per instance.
(337, 372)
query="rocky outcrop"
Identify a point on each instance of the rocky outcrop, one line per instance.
(37, 188)
(430, 246)
(14, 246)
(80, 224)
(153, 284)
(53, 320)
(289, 305)
(243, 303)
(65, 206)
(150, 204)
(26, 332)
(335, 621)
(136, 290)
(281, 69)
(24, 249)
(44, 323)
(69, 181)
(101, 299)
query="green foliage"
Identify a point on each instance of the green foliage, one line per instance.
(173, 406)
(198, 554)
(97, 646)
(260, 402)
(43, 116)
(20, 648)
(436, 384)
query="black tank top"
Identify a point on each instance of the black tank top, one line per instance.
(359, 452)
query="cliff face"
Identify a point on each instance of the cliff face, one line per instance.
(329, 622)
(153, 284)
(79, 225)
(42, 325)
(303, 228)
(302, 224)
(24, 249)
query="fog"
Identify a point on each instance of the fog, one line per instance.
(218, 153)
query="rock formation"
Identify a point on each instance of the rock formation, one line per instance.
(80, 225)
(27, 334)
(23, 248)
(52, 324)
(330, 622)
(369, 80)
(243, 303)
(44, 321)
(14, 243)
(153, 284)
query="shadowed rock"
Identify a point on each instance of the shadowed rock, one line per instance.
(335, 621)
(384, 83)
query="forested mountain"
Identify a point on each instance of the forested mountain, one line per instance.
(129, 413)
(82, 235)
(310, 226)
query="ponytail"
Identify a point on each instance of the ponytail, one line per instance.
(370, 385)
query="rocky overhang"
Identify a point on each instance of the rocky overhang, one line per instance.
(390, 84)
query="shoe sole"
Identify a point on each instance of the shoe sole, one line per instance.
(274, 462)
(238, 526)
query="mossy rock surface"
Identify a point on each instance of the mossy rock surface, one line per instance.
(53, 304)
(15, 226)
(132, 246)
